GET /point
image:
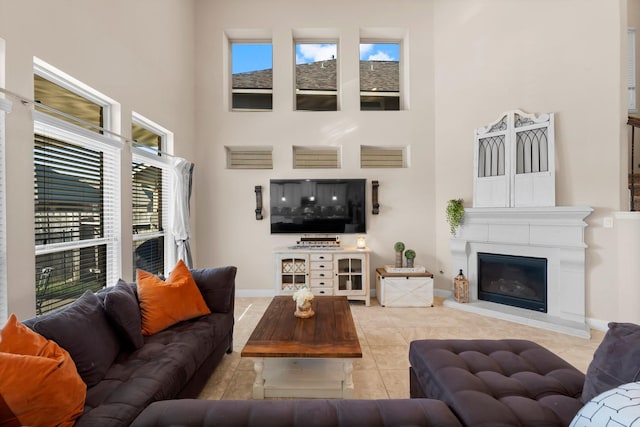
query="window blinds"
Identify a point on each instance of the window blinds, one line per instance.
(151, 190)
(316, 157)
(76, 204)
(249, 157)
(382, 157)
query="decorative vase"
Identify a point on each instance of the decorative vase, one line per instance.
(398, 260)
(304, 311)
(410, 262)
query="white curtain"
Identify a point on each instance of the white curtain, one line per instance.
(183, 171)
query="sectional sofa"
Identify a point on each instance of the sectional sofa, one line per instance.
(153, 379)
(479, 383)
(125, 371)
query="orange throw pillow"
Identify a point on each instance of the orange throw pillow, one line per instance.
(163, 304)
(39, 383)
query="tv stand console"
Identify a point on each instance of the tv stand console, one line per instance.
(325, 271)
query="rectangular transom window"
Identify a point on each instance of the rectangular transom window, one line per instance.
(316, 76)
(249, 157)
(382, 157)
(379, 76)
(251, 76)
(316, 157)
(68, 102)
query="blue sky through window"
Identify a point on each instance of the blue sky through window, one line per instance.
(259, 56)
(251, 57)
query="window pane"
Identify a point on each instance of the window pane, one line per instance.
(316, 76)
(68, 192)
(55, 96)
(147, 205)
(379, 76)
(148, 255)
(252, 76)
(147, 198)
(62, 277)
(146, 137)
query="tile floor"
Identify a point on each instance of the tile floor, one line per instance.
(385, 334)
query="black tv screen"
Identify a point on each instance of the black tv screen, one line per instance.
(317, 206)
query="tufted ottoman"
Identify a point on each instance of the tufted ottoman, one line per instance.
(496, 382)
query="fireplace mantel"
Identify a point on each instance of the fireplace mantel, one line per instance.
(554, 233)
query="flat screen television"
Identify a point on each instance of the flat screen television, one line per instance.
(331, 206)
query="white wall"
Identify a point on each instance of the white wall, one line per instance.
(563, 57)
(469, 61)
(227, 230)
(138, 53)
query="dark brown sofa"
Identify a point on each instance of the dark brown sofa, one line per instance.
(124, 371)
(302, 413)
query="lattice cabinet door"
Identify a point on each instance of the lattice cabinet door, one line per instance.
(291, 272)
(514, 161)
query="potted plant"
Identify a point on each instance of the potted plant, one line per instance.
(410, 254)
(398, 247)
(455, 214)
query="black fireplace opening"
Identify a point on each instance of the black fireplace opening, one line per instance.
(513, 280)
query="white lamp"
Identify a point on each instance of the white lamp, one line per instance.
(361, 243)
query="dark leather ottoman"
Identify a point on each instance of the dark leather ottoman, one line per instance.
(496, 382)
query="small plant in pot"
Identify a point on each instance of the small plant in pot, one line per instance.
(455, 214)
(398, 247)
(410, 254)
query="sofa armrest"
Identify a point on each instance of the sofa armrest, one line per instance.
(217, 286)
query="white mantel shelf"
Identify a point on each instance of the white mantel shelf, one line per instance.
(554, 233)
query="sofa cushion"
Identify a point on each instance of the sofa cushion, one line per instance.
(616, 361)
(311, 412)
(40, 384)
(159, 370)
(121, 306)
(85, 332)
(166, 303)
(217, 287)
(498, 382)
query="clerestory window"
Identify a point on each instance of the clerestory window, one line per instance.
(316, 85)
(379, 76)
(251, 76)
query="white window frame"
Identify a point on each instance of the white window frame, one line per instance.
(317, 36)
(393, 35)
(110, 146)
(49, 126)
(142, 155)
(249, 91)
(398, 94)
(5, 107)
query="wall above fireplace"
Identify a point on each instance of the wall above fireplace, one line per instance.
(554, 233)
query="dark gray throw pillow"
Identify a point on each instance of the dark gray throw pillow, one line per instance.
(85, 332)
(616, 361)
(121, 306)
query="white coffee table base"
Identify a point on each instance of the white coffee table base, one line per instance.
(303, 378)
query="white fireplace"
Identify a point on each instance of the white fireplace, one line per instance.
(553, 233)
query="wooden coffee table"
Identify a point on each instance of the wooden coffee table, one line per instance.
(304, 357)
